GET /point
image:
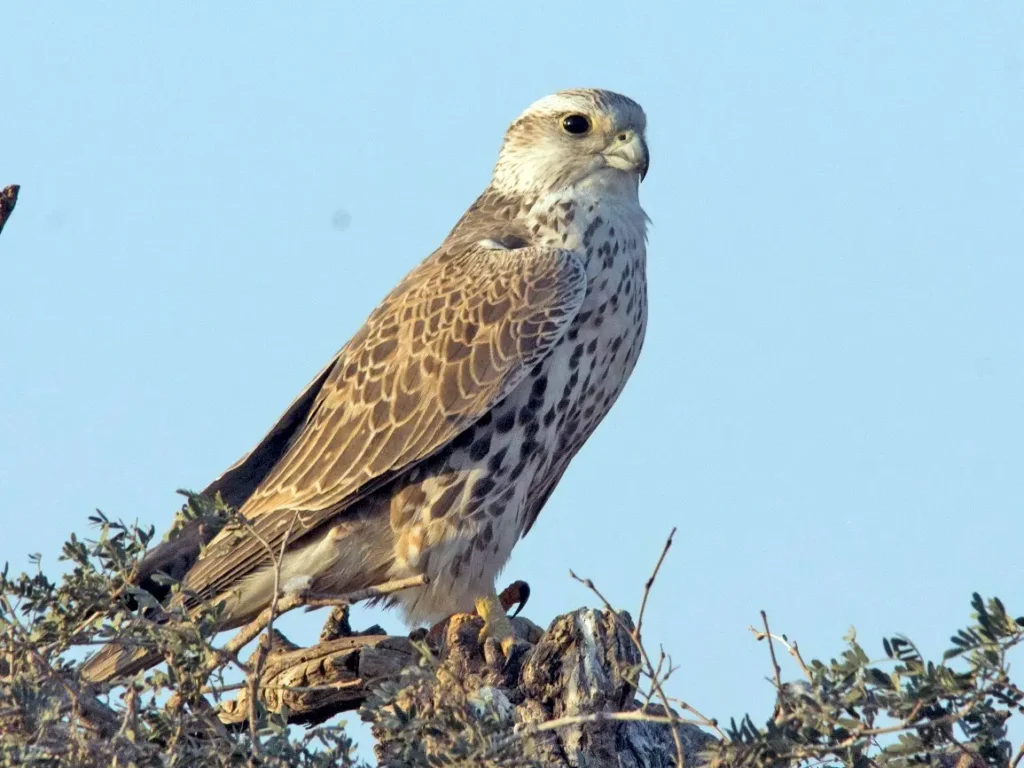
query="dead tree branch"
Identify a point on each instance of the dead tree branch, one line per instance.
(8, 199)
(573, 693)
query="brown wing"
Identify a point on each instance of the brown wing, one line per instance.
(449, 342)
(176, 556)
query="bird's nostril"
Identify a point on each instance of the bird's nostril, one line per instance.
(622, 137)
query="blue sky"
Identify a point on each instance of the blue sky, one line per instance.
(828, 404)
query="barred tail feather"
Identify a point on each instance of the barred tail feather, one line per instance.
(114, 661)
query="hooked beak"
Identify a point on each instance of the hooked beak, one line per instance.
(628, 152)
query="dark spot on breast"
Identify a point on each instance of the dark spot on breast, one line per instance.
(549, 416)
(531, 430)
(444, 503)
(540, 385)
(481, 447)
(465, 438)
(494, 463)
(592, 227)
(415, 496)
(517, 470)
(483, 487)
(526, 413)
(506, 421)
(483, 539)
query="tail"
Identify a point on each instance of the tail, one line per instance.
(115, 660)
(171, 558)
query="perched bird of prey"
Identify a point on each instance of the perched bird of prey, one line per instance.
(433, 439)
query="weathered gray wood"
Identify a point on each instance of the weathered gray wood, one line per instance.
(584, 663)
(320, 681)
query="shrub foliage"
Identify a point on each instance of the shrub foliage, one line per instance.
(895, 710)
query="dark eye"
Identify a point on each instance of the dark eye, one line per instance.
(576, 124)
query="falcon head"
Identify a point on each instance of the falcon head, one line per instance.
(574, 137)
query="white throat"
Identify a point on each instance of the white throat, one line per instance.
(612, 197)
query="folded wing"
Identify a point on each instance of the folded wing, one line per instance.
(447, 344)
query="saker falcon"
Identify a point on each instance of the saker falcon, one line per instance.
(432, 440)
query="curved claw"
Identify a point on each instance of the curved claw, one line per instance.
(516, 593)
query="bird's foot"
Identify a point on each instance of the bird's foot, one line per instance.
(497, 626)
(515, 594)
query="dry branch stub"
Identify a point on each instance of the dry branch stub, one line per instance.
(561, 694)
(8, 199)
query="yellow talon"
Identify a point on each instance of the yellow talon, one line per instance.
(496, 622)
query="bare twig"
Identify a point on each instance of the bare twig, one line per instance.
(600, 717)
(771, 649)
(650, 583)
(792, 647)
(648, 666)
(8, 199)
(340, 685)
(1018, 757)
